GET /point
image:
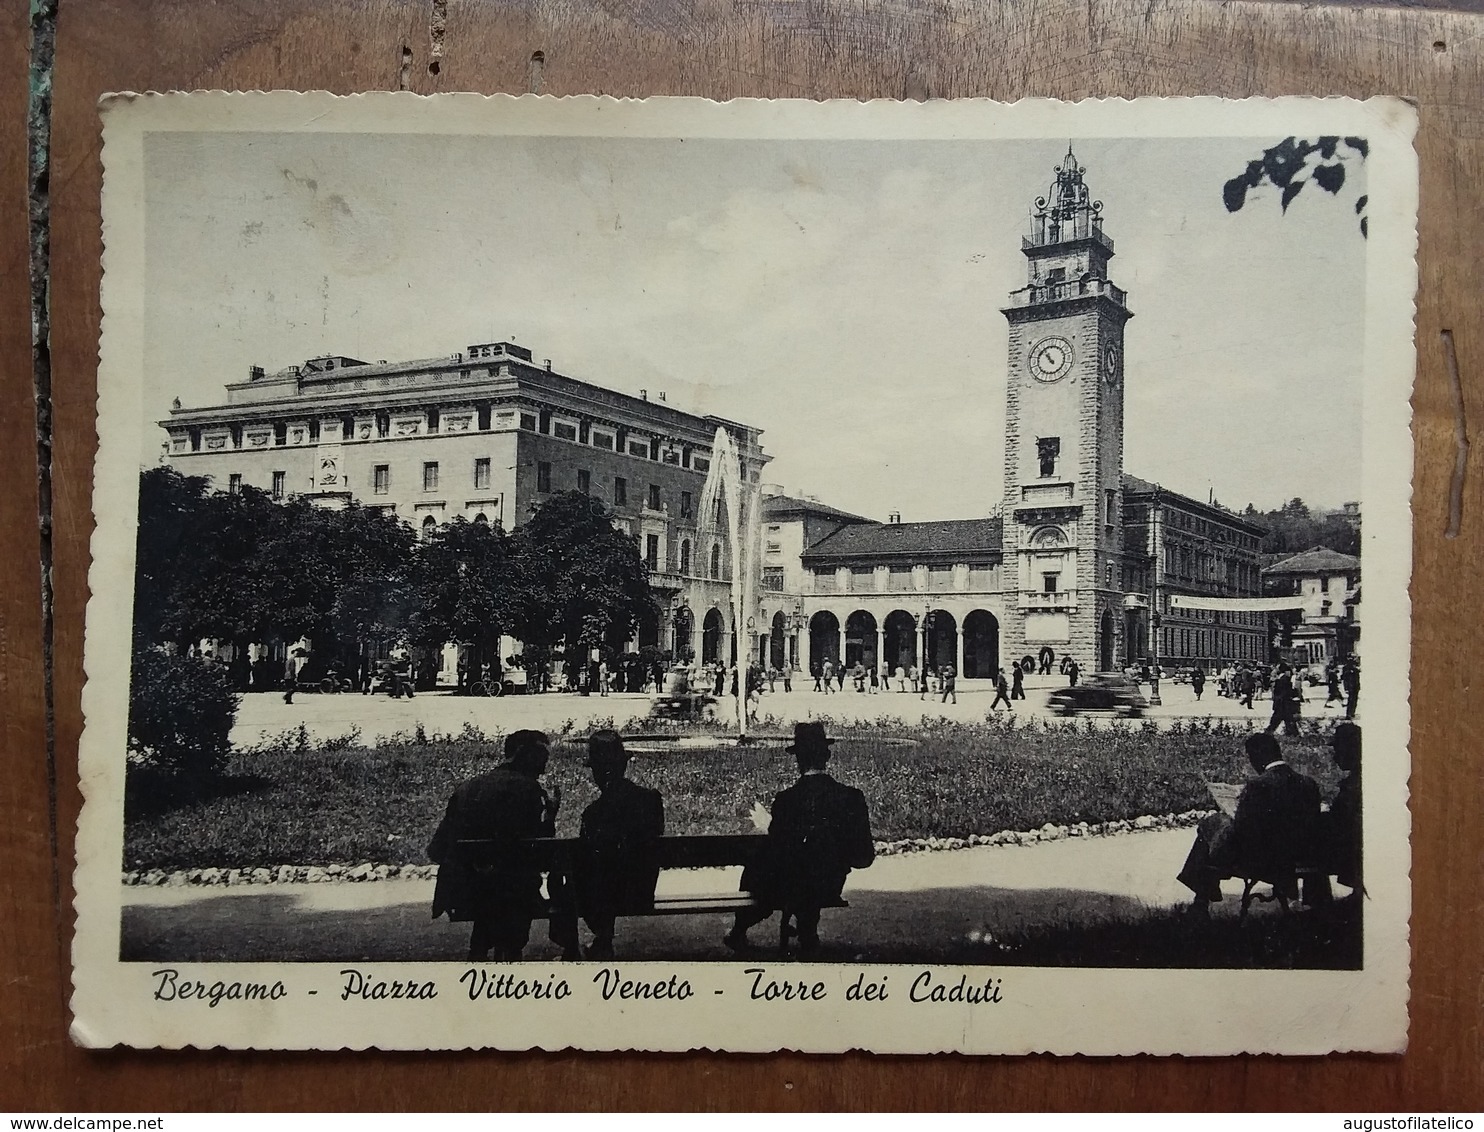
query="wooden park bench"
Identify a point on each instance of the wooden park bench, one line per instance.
(559, 855)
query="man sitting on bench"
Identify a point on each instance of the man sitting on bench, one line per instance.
(616, 863)
(819, 830)
(1273, 831)
(500, 891)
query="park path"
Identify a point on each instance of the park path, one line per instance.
(922, 907)
(325, 717)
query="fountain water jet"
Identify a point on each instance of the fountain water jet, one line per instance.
(731, 505)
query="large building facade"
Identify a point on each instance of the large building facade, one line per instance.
(1080, 560)
(485, 434)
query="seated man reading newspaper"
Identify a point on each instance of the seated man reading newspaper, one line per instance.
(1263, 833)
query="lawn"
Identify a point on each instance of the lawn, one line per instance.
(286, 802)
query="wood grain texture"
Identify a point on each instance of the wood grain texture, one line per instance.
(863, 49)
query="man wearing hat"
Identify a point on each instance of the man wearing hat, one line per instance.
(489, 883)
(617, 864)
(819, 830)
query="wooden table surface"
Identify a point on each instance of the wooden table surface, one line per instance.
(814, 49)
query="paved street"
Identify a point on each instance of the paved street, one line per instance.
(915, 907)
(327, 716)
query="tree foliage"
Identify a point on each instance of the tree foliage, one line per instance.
(240, 567)
(1294, 528)
(181, 711)
(578, 581)
(1296, 162)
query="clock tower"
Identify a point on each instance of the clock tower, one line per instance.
(1063, 529)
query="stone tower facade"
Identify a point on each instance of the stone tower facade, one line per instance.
(1063, 525)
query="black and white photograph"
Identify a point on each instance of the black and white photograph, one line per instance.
(759, 575)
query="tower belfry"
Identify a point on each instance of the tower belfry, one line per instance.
(1063, 529)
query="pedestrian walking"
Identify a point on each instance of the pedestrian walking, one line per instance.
(1001, 690)
(950, 685)
(1017, 684)
(1198, 681)
(1285, 703)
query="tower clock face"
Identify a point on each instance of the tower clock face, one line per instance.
(1112, 364)
(1051, 359)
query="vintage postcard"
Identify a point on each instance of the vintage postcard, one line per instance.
(767, 575)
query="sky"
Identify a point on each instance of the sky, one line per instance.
(843, 296)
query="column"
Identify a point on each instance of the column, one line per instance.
(959, 666)
(841, 659)
(880, 644)
(801, 649)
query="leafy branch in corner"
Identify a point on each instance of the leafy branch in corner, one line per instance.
(1294, 163)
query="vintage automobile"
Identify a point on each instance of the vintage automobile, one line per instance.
(1102, 691)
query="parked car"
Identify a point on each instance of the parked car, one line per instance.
(1102, 691)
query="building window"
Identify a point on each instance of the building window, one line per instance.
(1048, 448)
(1111, 498)
(430, 524)
(1108, 574)
(685, 556)
(430, 476)
(652, 551)
(564, 431)
(602, 440)
(482, 473)
(543, 476)
(584, 481)
(528, 421)
(716, 561)
(775, 548)
(654, 497)
(773, 578)
(686, 505)
(280, 480)
(433, 420)
(381, 479)
(234, 483)
(383, 425)
(482, 419)
(700, 463)
(1049, 582)
(620, 491)
(639, 448)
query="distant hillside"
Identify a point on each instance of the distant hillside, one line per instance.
(1293, 528)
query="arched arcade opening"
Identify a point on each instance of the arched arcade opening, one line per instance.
(824, 638)
(860, 640)
(981, 645)
(900, 631)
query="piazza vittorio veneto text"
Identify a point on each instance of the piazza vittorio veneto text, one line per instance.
(744, 641)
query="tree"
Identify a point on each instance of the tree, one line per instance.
(577, 580)
(181, 711)
(462, 590)
(1294, 528)
(195, 550)
(1294, 163)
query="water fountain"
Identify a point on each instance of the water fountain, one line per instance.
(731, 505)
